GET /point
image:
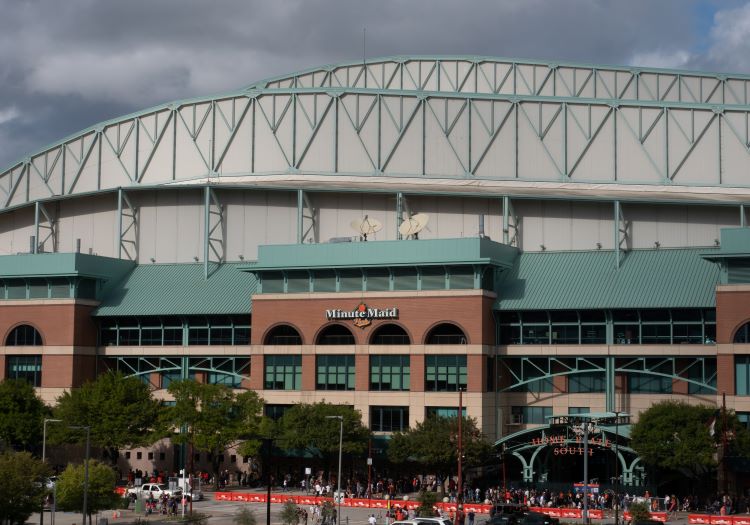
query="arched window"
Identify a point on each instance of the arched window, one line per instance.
(24, 335)
(335, 334)
(742, 335)
(390, 334)
(283, 334)
(446, 334)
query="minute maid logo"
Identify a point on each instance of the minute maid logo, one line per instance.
(363, 315)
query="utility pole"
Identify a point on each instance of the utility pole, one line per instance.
(459, 496)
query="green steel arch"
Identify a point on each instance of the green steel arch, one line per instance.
(237, 368)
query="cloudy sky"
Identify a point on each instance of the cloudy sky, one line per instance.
(65, 65)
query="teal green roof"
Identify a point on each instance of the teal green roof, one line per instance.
(63, 265)
(179, 289)
(661, 278)
(468, 250)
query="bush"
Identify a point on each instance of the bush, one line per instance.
(427, 501)
(244, 516)
(289, 515)
(639, 512)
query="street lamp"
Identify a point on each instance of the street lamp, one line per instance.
(617, 467)
(338, 480)
(44, 460)
(85, 468)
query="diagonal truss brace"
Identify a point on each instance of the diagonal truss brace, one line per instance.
(621, 233)
(127, 227)
(306, 216)
(510, 221)
(43, 219)
(214, 231)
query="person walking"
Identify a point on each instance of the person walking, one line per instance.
(371, 520)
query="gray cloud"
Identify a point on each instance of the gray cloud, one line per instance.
(67, 65)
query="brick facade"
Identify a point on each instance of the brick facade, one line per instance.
(732, 310)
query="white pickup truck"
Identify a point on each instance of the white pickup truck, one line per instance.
(157, 490)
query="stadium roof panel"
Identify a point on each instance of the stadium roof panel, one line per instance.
(180, 289)
(660, 278)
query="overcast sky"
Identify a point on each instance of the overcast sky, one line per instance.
(68, 64)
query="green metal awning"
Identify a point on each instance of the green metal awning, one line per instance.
(428, 252)
(179, 289)
(659, 278)
(63, 265)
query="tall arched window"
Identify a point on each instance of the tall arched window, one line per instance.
(742, 335)
(446, 334)
(283, 334)
(24, 335)
(335, 334)
(390, 334)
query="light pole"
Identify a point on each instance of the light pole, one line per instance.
(44, 460)
(338, 480)
(617, 469)
(85, 469)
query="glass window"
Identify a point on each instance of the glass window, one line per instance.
(742, 335)
(433, 278)
(404, 279)
(656, 334)
(586, 382)
(170, 376)
(38, 289)
(447, 412)
(24, 335)
(335, 372)
(536, 415)
(649, 383)
(335, 334)
(297, 282)
(275, 412)
(742, 375)
(25, 367)
(350, 281)
(390, 372)
(283, 372)
(703, 371)
(378, 280)
(389, 334)
(272, 282)
(283, 335)
(462, 278)
(445, 373)
(389, 419)
(16, 290)
(520, 370)
(578, 410)
(325, 281)
(744, 419)
(446, 334)
(627, 334)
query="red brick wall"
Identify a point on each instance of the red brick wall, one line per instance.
(308, 372)
(362, 372)
(732, 311)
(725, 374)
(257, 372)
(59, 324)
(416, 314)
(476, 366)
(57, 371)
(416, 366)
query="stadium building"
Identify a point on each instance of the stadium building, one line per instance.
(549, 238)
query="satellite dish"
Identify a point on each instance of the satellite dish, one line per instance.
(413, 225)
(366, 226)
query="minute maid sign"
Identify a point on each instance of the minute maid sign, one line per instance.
(362, 315)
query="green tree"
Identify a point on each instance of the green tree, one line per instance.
(427, 502)
(433, 445)
(244, 516)
(639, 512)
(673, 435)
(21, 486)
(21, 415)
(214, 417)
(101, 493)
(306, 426)
(120, 411)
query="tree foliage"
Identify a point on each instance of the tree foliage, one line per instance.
(120, 411)
(21, 415)
(244, 516)
(433, 445)
(22, 486)
(289, 513)
(101, 492)
(639, 511)
(214, 416)
(675, 436)
(306, 426)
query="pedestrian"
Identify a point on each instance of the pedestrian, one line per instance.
(371, 520)
(471, 516)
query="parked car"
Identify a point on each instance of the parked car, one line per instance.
(538, 518)
(157, 490)
(433, 521)
(502, 519)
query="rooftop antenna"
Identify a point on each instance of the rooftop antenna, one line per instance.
(413, 225)
(366, 226)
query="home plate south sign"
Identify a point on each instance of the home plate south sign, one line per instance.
(362, 315)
